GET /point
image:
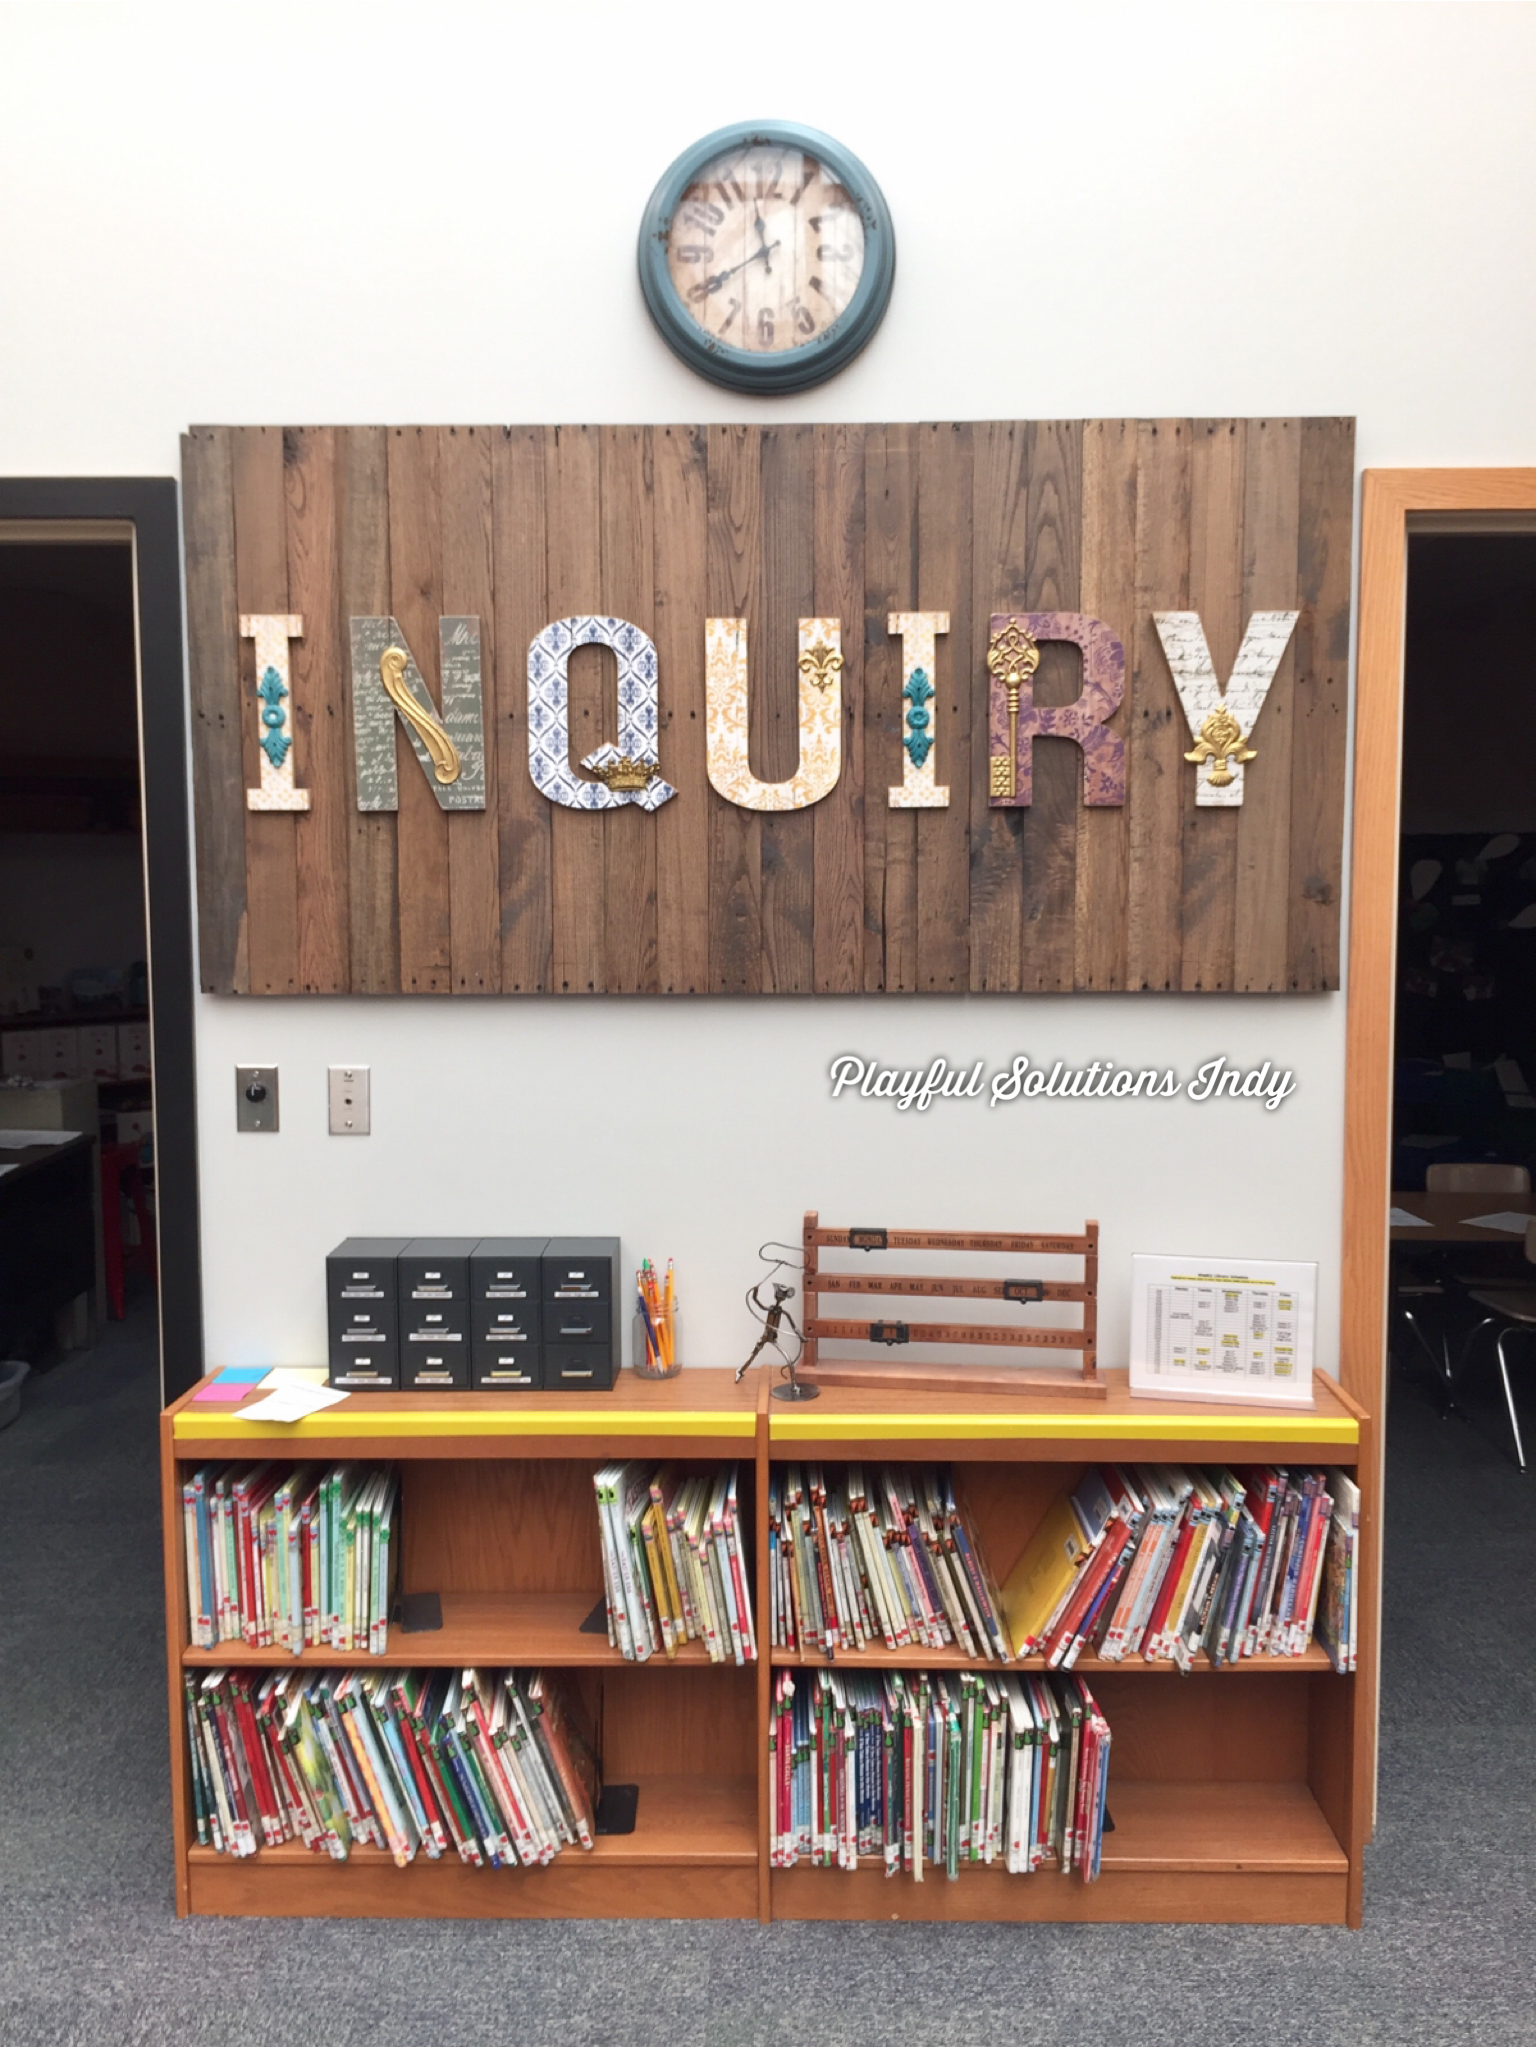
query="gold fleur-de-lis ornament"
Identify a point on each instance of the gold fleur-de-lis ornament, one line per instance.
(820, 664)
(1220, 742)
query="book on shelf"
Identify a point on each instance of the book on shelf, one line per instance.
(492, 1766)
(862, 1555)
(919, 1772)
(677, 1566)
(1166, 1562)
(291, 1558)
(1338, 1613)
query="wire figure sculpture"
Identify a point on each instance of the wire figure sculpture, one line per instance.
(772, 1316)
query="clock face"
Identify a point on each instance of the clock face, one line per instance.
(767, 257)
(766, 248)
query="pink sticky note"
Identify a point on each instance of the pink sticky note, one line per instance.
(223, 1390)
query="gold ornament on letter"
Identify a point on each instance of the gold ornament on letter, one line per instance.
(819, 664)
(1220, 741)
(445, 755)
(625, 773)
(1012, 657)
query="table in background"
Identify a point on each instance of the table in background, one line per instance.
(47, 1233)
(1445, 1217)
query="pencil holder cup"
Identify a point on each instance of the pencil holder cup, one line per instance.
(647, 1365)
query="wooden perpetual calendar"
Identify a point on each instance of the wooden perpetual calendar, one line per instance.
(944, 1376)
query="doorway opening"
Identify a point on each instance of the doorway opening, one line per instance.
(98, 1160)
(1462, 1327)
(76, 1082)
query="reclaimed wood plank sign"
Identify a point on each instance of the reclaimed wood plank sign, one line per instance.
(995, 706)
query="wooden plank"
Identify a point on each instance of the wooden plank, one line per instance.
(785, 838)
(1108, 593)
(734, 589)
(1155, 744)
(999, 584)
(679, 460)
(838, 869)
(943, 585)
(416, 604)
(1209, 837)
(629, 592)
(890, 584)
(213, 654)
(496, 1628)
(369, 1887)
(1271, 519)
(321, 725)
(1053, 582)
(573, 528)
(474, 853)
(1321, 695)
(261, 585)
(520, 544)
(372, 893)
(1196, 1898)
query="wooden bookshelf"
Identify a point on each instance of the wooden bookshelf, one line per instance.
(1238, 1795)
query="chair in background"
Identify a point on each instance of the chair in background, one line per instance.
(122, 1177)
(1477, 1177)
(1422, 1296)
(1511, 1309)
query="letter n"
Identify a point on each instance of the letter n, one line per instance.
(388, 686)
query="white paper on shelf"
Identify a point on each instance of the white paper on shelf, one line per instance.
(15, 1141)
(1501, 1219)
(290, 1404)
(1400, 1220)
(1223, 1330)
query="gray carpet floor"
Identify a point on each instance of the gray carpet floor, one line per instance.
(90, 1949)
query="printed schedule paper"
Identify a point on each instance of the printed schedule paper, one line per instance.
(1223, 1330)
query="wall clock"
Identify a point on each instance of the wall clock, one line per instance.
(767, 256)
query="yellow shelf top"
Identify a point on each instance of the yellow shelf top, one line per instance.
(194, 1424)
(847, 1414)
(805, 1426)
(700, 1403)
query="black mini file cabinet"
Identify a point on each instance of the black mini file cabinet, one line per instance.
(509, 1314)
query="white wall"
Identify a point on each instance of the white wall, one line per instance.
(322, 213)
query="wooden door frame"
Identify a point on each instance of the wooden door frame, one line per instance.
(1394, 503)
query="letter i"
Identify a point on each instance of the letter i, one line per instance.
(272, 632)
(919, 789)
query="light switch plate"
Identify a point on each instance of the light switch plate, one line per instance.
(256, 1098)
(348, 1091)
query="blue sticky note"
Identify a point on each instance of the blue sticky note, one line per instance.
(249, 1373)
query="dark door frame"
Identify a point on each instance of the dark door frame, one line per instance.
(149, 504)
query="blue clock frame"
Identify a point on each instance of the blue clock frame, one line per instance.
(796, 369)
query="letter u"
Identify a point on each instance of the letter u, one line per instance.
(820, 716)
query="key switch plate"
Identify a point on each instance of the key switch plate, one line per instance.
(255, 1098)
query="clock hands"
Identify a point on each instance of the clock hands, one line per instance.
(762, 236)
(722, 277)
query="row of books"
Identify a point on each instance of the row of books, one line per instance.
(676, 1562)
(864, 1554)
(937, 1770)
(291, 1557)
(1168, 1562)
(491, 1765)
